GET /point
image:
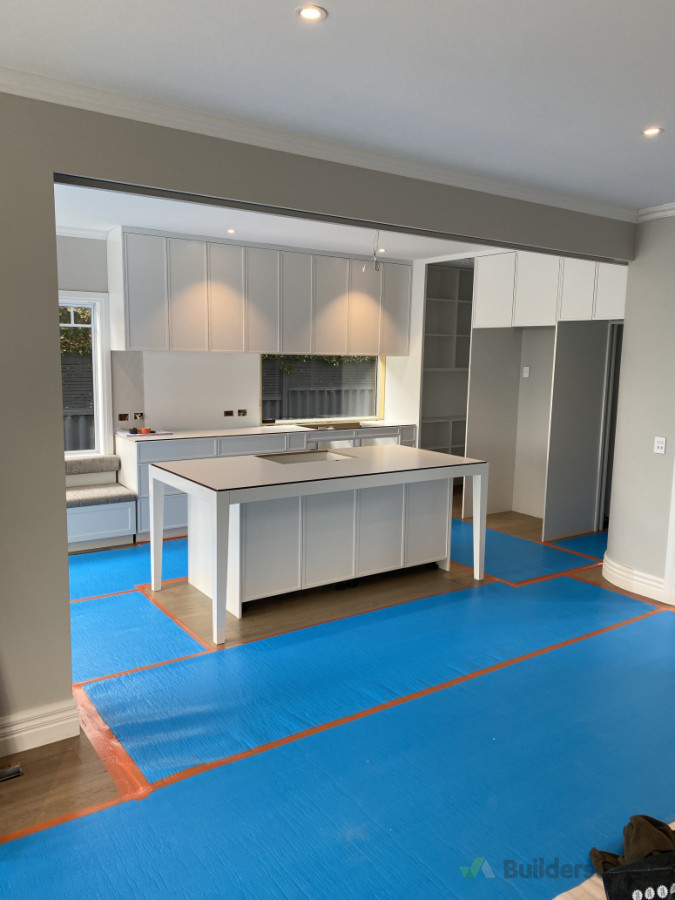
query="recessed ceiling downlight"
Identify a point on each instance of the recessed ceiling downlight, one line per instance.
(652, 131)
(311, 13)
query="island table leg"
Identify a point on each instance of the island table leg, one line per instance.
(156, 532)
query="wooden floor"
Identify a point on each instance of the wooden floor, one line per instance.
(67, 776)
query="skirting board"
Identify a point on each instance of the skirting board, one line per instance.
(38, 726)
(638, 582)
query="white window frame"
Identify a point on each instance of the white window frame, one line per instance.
(103, 431)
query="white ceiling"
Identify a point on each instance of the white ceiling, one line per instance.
(88, 212)
(550, 95)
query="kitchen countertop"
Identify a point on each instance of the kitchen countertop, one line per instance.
(277, 428)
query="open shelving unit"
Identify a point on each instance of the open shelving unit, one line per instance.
(447, 342)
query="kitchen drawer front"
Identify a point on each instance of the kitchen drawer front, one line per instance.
(144, 485)
(175, 512)
(184, 448)
(253, 443)
(329, 435)
(297, 441)
(377, 432)
(408, 434)
(106, 520)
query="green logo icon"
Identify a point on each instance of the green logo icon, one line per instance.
(480, 864)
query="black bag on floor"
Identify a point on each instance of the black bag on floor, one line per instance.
(652, 878)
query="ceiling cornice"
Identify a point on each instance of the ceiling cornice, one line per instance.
(656, 212)
(51, 90)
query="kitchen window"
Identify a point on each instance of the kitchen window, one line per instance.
(85, 372)
(319, 387)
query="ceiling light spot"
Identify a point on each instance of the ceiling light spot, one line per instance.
(311, 13)
(652, 131)
(231, 231)
(381, 250)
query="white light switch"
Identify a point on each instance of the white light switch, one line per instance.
(526, 371)
(659, 445)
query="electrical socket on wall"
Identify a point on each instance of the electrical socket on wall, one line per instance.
(241, 412)
(659, 445)
(228, 412)
(123, 417)
(138, 416)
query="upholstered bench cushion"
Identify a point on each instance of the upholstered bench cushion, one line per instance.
(86, 465)
(96, 494)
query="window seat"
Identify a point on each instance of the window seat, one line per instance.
(100, 511)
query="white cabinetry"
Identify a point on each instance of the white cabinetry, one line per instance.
(494, 289)
(578, 289)
(610, 292)
(188, 301)
(175, 293)
(262, 300)
(331, 305)
(536, 294)
(226, 297)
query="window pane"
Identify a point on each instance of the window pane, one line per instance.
(82, 315)
(77, 382)
(314, 387)
(64, 314)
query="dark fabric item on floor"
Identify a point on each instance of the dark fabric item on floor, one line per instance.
(649, 878)
(642, 837)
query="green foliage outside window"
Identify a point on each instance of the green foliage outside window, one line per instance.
(288, 363)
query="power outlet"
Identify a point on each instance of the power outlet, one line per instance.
(659, 445)
(241, 412)
(123, 417)
(228, 412)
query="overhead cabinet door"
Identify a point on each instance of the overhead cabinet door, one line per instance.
(262, 300)
(610, 295)
(537, 283)
(226, 297)
(188, 304)
(146, 292)
(577, 289)
(494, 285)
(331, 305)
(296, 303)
(395, 313)
(365, 288)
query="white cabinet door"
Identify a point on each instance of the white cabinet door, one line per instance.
(146, 292)
(326, 561)
(395, 314)
(226, 297)
(363, 325)
(262, 300)
(296, 303)
(493, 290)
(577, 290)
(380, 529)
(537, 286)
(610, 292)
(331, 293)
(188, 305)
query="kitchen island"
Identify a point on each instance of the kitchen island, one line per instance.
(269, 524)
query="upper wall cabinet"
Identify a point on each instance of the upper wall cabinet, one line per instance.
(188, 300)
(395, 312)
(177, 293)
(534, 289)
(536, 296)
(494, 286)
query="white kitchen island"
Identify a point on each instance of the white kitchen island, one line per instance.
(265, 525)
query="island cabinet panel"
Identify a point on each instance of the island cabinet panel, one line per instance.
(146, 293)
(226, 297)
(577, 290)
(188, 295)
(363, 326)
(395, 313)
(262, 300)
(331, 305)
(380, 529)
(426, 521)
(537, 285)
(328, 560)
(296, 303)
(493, 291)
(270, 547)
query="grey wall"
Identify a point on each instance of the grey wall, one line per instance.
(47, 139)
(82, 264)
(534, 409)
(641, 485)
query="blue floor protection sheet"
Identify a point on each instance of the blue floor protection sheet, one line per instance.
(111, 571)
(123, 632)
(512, 558)
(199, 710)
(590, 544)
(524, 769)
